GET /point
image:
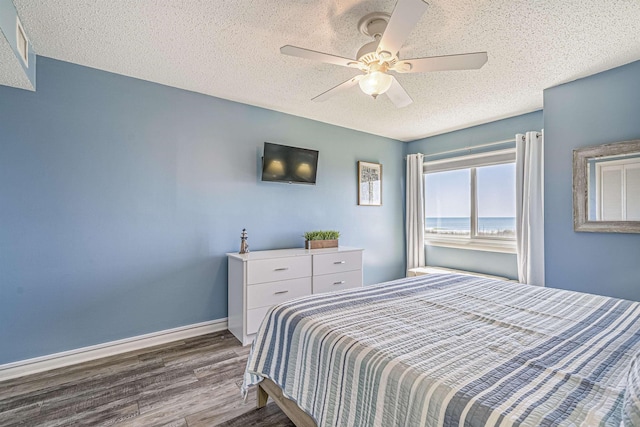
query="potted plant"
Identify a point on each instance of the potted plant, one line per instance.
(321, 239)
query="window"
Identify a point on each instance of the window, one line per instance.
(470, 201)
(617, 189)
(447, 203)
(496, 200)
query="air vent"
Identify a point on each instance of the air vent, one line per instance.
(23, 43)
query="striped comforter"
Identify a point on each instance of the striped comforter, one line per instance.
(451, 350)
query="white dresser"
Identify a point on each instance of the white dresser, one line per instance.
(259, 280)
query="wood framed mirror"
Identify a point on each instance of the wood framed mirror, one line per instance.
(606, 188)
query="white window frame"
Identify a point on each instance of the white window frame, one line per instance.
(619, 165)
(473, 161)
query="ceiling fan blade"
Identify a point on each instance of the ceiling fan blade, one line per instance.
(405, 16)
(318, 56)
(398, 95)
(465, 61)
(337, 89)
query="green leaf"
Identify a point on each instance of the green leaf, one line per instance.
(322, 235)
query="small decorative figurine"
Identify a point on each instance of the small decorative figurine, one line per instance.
(244, 246)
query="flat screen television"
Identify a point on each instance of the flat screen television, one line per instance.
(293, 165)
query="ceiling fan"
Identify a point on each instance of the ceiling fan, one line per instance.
(380, 56)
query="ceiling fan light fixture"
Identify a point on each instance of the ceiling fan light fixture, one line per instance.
(375, 83)
(376, 57)
(385, 56)
(403, 67)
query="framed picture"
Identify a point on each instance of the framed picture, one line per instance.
(369, 184)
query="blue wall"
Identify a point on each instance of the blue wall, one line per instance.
(599, 109)
(500, 264)
(119, 199)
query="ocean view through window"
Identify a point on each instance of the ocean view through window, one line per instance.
(496, 200)
(471, 202)
(456, 226)
(448, 203)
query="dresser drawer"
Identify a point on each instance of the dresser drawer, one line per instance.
(254, 318)
(272, 293)
(337, 281)
(337, 262)
(275, 269)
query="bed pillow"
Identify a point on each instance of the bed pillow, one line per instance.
(631, 404)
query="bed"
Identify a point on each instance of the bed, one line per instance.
(450, 350)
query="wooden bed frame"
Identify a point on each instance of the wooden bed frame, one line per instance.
(268, 388)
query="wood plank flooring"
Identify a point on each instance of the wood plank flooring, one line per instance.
(194, 383)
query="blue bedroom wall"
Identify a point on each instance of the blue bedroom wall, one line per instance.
(599, 109)
(499, 264)
(119, 199)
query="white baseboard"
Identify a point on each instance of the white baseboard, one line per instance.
(85, 354)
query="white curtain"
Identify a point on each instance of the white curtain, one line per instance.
(530, 207)
(415, 212)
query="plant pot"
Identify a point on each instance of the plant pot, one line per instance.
(320, 244)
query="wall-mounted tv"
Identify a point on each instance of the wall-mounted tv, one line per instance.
(294, 165)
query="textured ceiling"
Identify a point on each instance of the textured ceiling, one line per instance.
(11, 72)
(230, 49)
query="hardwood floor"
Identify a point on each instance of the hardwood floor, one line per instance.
(194, 382)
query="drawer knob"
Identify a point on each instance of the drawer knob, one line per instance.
(339, 262)
(338, 283)
(281, 269)
(280, 292)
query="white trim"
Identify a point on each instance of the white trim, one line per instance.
(472, 147)
(85, 354)
(488, 245)
(487, 158)
(423, 271)
(23, 51)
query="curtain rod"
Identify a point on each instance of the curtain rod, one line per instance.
(469, 148)
(474, 147)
